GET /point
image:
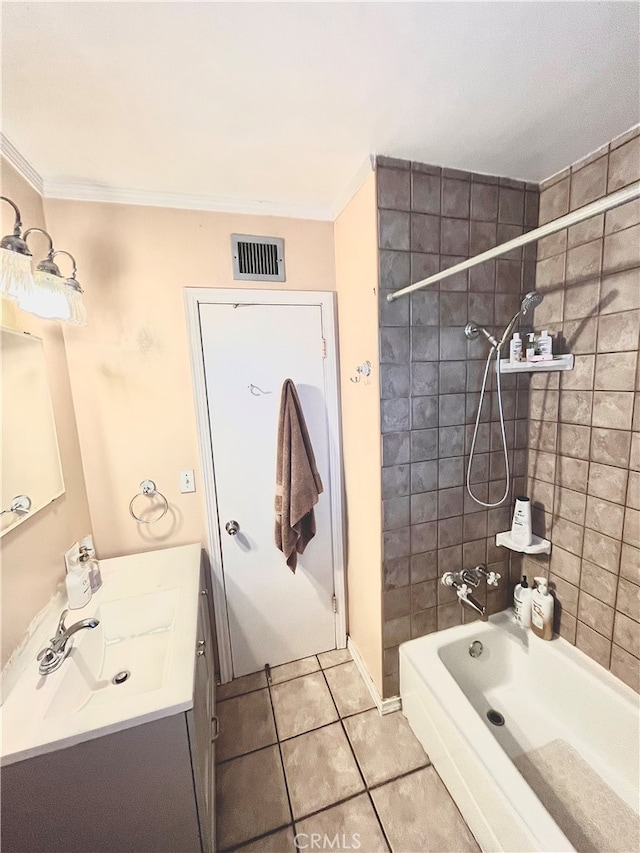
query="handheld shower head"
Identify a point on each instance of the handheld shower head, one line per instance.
(531, 301)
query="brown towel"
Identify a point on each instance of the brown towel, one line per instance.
(298, 483)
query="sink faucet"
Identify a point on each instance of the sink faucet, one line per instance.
(52, 657)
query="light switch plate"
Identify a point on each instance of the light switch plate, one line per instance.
(187, 481)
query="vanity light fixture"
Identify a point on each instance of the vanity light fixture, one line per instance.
(47, 298)
(73, 294)
(16, 279)
(46, 292)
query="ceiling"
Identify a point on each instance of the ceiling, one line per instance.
(276, 106)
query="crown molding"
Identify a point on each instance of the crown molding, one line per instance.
(81, 191)
(86, 191)
(21, 164)
(366, 167)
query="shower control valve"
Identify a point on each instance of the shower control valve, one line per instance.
(492, 578)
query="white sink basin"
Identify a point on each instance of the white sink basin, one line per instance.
(133, 636)
(148, 610)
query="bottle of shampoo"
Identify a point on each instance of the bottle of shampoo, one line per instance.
(542, 610)
(521, 533)
(545, 346)
(515, 349)
(531, 346)
(78, 585)
(522, 602)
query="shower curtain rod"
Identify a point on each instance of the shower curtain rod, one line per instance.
(593, 209)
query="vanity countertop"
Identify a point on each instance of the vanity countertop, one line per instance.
(148, 610)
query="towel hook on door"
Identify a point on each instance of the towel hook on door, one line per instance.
(257, 392)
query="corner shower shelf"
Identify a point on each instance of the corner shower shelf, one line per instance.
(538, 546)
(559, 362)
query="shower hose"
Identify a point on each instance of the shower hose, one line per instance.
(495, 350)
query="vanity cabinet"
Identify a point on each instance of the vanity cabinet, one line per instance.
(202, 725)
(144, 789)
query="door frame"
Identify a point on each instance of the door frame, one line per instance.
(326, 300)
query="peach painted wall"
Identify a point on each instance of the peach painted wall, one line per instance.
(130, 369)
(32, 553)
(356, 249)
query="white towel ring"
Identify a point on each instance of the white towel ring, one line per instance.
(148, 489)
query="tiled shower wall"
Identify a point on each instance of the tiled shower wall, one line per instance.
(430, 376)
(584, 440)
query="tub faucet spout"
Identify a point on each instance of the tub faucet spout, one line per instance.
(467, 600)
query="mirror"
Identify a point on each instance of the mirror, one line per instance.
(30, 458)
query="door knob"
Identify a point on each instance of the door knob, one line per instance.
(232, 527)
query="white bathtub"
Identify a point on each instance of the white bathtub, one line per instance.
(549, 693)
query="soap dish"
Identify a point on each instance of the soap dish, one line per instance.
(538, 545)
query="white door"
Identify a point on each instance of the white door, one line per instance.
(274, 616)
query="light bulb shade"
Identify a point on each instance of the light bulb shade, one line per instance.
(16, 279)
(78, 313)
(47, 299)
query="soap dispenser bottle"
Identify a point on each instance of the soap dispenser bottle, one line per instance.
(542, 610)
(522, 602)
(87, 559)
(78, 584)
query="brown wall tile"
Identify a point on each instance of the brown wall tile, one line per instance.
(607, 482)
(627, 634)
(628, 601)
(624, 165)
(596, 266)
(595, 614)
(598, 583)
(626, 667)
(593, 644)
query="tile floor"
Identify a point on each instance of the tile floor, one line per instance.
(309, 756)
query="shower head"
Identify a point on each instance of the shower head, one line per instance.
(531, 301)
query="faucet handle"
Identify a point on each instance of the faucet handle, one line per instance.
(493, 578)
(462, 590)
(61, 626)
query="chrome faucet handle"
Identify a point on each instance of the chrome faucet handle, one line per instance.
(464, 594)
(61, 626)
(491, 577)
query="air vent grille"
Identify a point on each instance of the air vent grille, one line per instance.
(257, 258)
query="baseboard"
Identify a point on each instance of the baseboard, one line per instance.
(384, 706)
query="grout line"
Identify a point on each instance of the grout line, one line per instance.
(284, 772)
(255, 838)
(284, 680)
(238, 695)
(244, 754)
(360, 771)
